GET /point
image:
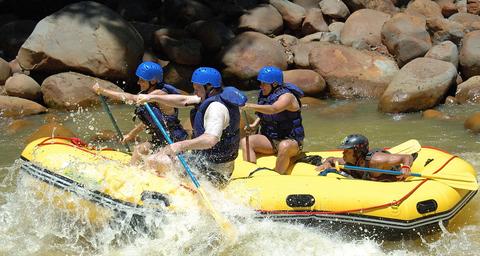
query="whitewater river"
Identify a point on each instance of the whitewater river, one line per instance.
(30, 227)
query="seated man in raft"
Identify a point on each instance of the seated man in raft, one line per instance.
(356, 152)
(280, 119)
(150, 80)
(215, 121)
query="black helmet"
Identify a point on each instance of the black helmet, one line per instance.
(357, 142)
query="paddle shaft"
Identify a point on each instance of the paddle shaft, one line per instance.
(169, 140)
(365, 169)
(110, 115)
(247, 140)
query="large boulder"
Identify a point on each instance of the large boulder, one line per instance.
(309, 81)
(421, 84)
(15, 107)
(352, 73)
(179, 75)
(445, 30)
(469, 91)
(314, 22)
(307, 4)
(363, 28)
(335, 9)
(23, 86)
(13, 35)
(213, 34)
(473, 123)
(72, 90)
(470, 54)
(468, 20)
(292, 13)
(186, 51)
(86, 37)
(446, 51)
(386, 6)
(5, 71)
(264, 19)
(406, 37)
(249, 52)
(301, 51)
(427, 8)
(50, 129)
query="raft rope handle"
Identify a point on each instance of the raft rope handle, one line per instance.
(88, 150)
(394, 203)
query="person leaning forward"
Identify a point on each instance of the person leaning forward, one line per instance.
(150, 80)
(356, 152)
(215, 122)
(280, 120)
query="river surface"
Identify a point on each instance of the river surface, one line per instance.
(30, 227)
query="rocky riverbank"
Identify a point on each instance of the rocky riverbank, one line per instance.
(408, 55)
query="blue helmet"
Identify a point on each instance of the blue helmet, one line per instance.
(270, 75)
(206, 75)
(149, 71)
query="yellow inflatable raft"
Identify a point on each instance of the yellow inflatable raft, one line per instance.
(302, 195)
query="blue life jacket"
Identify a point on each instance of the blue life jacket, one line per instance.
(286, 124)
(226, 149)
(171, 122)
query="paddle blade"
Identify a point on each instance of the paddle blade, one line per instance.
(408, 147)
(460, 181)
(228, 229)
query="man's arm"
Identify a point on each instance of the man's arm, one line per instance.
(384, 160)
(172, 100)
(123, 96)
(285, 102)
(330, 163)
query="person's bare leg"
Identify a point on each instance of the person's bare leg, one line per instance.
(140, 151)
(286, 150)
(258, 144)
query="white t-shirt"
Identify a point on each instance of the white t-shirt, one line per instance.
(216, 119)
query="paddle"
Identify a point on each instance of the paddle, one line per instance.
(461, 181)
(408, 147)
(107, 109)
(221, 221)
(247, 141)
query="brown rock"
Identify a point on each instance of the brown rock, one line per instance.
(292, 13)
(23, 86)
(434, 114)
(14, 107)
(363, 27)
(264, 19)
(450, 100)
(352, 73)
(248, 53)
(446, 51)
(72, 90)
(179, 75)
(406, 37)
(17, 125)
(5, 71)
(473, 7)
(307, 4)
(468, 20)
(309, 81)
(184, 51)
(469, 91)
(334, 9)
(421, 84)
(308, 102)
(470, 55)
(15, 67)
(103, 136)
(301, 52)
(426, 8)
(314, 22)
(50, 130)
(105, 46)
(386, 6)
(473, 123)
(445, 30)
(448, 7)
(213, 34)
